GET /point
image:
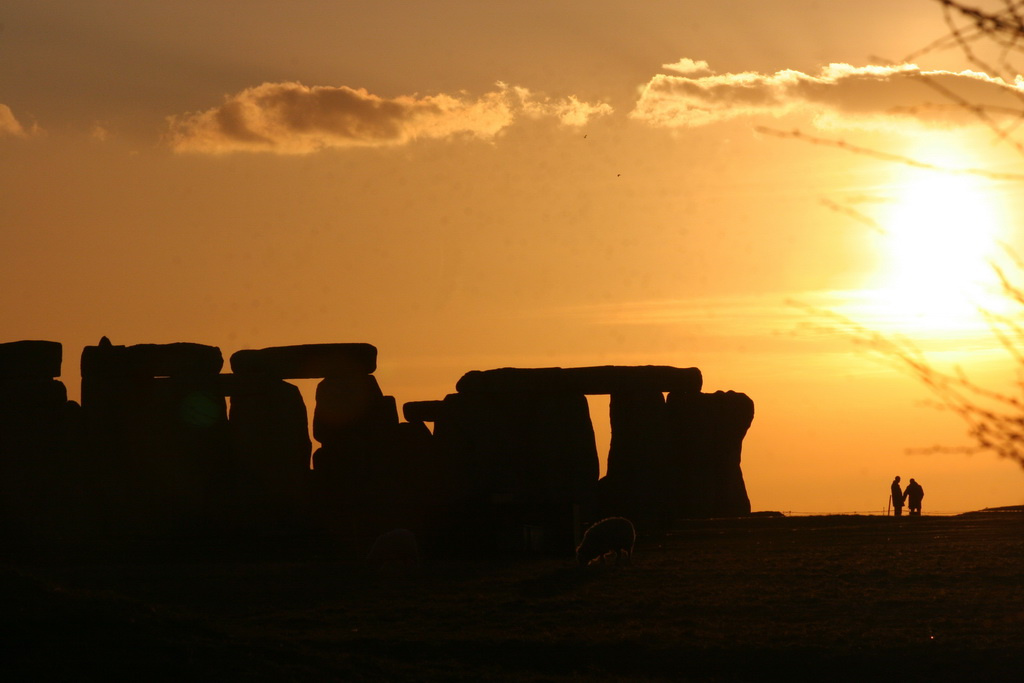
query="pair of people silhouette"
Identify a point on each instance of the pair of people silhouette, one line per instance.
(912, 496)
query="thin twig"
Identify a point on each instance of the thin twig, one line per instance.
(886, 156)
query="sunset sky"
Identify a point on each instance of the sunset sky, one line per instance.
(470, 185)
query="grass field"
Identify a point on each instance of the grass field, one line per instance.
(847, 598)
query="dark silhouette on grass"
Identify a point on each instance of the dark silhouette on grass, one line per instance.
(395, 553)
(896, 495)
(166, 445)
(914, 494)
(614, 535)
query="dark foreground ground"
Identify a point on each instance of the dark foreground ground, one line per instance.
(815, 598)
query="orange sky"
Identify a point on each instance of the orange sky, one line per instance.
(472, 185)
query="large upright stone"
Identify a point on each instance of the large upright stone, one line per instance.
(32, 414)
(114, 376)
(635, 485)
(36, 452)
(181, 460)
(365, 472)
(118, 386)
(271, 450)
(269, 424)
(43, 484)
(350, 407)
(30, 396)
(306, 361)
(518, 458)
(637, 420)
(156, 422)
(706, 434)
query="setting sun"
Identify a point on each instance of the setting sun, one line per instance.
(942, 231)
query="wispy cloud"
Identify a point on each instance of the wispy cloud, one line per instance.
(757, 314)
(99, 132)
(688, 66)
(292, 118)
(822, 315)
(840, 93)
(10, 127)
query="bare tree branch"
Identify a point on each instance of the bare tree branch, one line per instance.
(994, 420)
(858, 216)
(886, 156)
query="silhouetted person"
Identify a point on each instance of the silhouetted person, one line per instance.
(914, 494)
(897, 497)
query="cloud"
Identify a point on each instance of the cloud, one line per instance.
(569, 112)
(99, 132)
(9, 126)
(688, 66)
(839, 94)
(291, 118)
(737, 315)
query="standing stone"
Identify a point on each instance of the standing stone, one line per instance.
(351, 407)
(36, 449)
(706, 434)
(156, 426)
(180, 473)
(271, 451)
(363, 470)
(518, 458)
(635, 485)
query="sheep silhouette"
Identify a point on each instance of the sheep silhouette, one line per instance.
(612, 535)
(395, 552)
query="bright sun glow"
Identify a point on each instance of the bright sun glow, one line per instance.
(942, 232)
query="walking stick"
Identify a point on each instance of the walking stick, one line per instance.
(887, 505)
